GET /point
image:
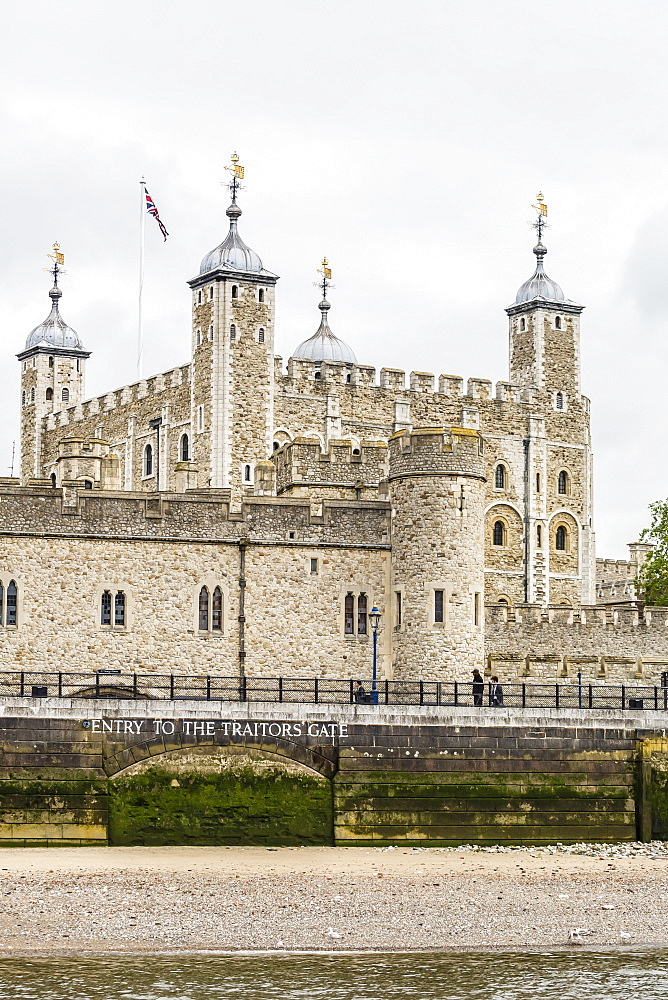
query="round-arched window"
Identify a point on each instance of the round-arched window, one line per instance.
(148, 460)
(185, 448)
(562, 483)
(499, 532)
(500, 477)
(560, 539)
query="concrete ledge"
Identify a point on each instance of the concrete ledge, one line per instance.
(409, 715)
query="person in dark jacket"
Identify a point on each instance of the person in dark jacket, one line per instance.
(478, 687)
(495, 692)
(359, 694)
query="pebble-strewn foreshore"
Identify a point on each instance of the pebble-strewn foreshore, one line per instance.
(141, 899)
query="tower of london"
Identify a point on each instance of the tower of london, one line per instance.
(242, 513)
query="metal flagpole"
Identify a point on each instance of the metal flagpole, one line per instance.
(142, 227)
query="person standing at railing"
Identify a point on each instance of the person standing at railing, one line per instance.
(478, 687)
(359, 694)
(495, 692)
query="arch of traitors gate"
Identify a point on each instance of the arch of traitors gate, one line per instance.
(238, 516)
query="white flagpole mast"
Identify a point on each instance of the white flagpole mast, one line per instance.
(142, 227)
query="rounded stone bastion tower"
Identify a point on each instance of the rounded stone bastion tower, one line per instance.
(437, 479)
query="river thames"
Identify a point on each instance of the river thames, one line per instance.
(601, 975)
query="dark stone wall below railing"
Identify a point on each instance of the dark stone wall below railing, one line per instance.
(236, 774)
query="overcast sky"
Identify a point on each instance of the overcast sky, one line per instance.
(406, 141)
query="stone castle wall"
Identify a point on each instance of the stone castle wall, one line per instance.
(618, 645)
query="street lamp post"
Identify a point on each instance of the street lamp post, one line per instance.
(374, 618)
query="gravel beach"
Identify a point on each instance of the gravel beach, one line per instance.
(139, 899)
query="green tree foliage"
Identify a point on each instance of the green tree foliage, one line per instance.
(652, 579)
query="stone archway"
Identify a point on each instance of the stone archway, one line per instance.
(206, 793)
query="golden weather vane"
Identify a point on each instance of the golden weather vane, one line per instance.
(326, 272)
(58, 258)
(237, 172)
(540, 223)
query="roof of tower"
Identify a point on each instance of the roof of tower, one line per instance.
(539, 286)
(54, 331)
(233, 254)
(323, 345)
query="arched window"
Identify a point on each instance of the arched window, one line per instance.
(185, 448)
(349, 377)
(53, 480)
(211, 293)
(560, 539)
(349, 615)
(233, 332)
(276, 446)
(217, 611)
(538, 482)
(49, 395)
(65, 395)
(247, 473)
(199, 338)
(523, 324)
(503, 600)
(361, 614)
(499, 533)
(539, 535)
(500, 477)
(235, 292)
(88, 484)
(12, 602)
(23, 398)
(260, 336)
(204, 610)
(557, 322)
(148, 460)
(318, 374)
(105, 608)
(119, 608)
(199, 298)
(260, 295)
(562, 483)
(32, 395)
(50, 362)
(559, 400)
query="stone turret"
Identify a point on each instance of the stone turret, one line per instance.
(436, 480)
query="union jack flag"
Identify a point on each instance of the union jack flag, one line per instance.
(152, 210)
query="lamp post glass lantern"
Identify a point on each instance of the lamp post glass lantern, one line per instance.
(374, 619)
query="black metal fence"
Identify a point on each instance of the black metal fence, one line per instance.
(327, 691)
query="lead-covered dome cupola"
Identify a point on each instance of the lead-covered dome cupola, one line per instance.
(233, 254)
(324, 345)
(54, 331)
(539, 286)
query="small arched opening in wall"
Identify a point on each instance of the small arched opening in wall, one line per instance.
(149, 799)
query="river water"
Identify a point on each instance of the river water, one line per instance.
(481, 976)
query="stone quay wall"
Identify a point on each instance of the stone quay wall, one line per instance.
(96, 772)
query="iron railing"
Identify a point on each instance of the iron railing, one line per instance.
(325, 690)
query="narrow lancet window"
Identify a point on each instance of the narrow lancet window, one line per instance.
(217, 611)
(119, 608)
(204, 610)
(105, 608)
(361, 614)
(12, 602)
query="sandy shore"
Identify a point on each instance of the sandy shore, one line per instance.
(171, 899)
